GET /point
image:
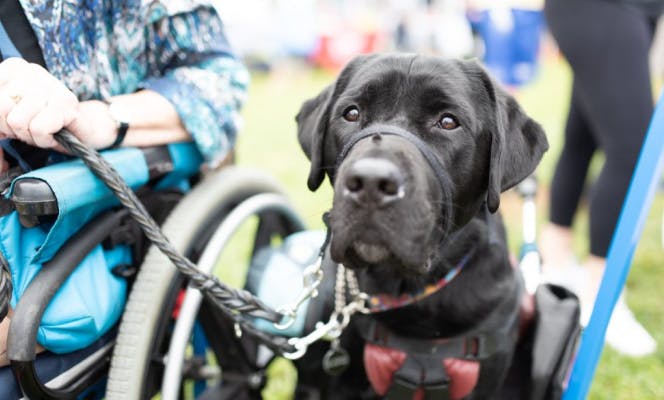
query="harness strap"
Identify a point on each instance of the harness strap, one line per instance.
(475, 347)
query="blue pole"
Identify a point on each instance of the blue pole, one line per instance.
(628, 231)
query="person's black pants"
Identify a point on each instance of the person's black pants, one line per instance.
(607, 45)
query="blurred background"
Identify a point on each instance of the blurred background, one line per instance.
(295, 48)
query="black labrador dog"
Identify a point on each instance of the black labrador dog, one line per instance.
(418, 150)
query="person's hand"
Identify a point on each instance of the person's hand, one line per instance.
(34, 105)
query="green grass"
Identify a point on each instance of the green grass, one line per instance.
(269, 142)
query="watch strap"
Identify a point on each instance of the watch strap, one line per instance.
(121, 130)
(123, 127)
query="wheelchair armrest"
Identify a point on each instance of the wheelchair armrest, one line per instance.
(22, 338)
(33, 198)
(33, 195)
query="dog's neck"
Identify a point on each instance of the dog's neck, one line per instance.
(387, 278)
(460, 304)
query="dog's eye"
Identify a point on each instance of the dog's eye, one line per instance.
(352, 114)
(447, 122)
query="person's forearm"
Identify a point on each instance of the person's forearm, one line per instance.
(153, 119)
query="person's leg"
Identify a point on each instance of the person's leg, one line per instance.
(607, 47)
(567, 186)
(624, 132)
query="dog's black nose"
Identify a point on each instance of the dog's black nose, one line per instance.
(374, 181)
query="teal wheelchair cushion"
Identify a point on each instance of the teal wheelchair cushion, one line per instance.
(275, 276)
(92, 299)
(88, 303)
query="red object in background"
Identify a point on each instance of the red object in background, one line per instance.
(178, 304)
(334, 51)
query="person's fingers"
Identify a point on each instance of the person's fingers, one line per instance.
(28, 92)
(66, 102)
(42, 127)
(19, 117)
(5, 106)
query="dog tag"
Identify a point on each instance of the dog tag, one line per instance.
(336, 360)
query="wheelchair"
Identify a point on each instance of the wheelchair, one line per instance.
(203, 215)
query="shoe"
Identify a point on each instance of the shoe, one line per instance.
(626, 335)
(571, 276)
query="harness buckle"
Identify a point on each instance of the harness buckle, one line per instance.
(401, 389)
(420, 372)
(437, 392)
(475, 348)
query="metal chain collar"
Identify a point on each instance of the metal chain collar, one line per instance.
(340, 317)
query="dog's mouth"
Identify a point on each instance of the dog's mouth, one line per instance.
(366, 255)
(371, 253)
(368, 248)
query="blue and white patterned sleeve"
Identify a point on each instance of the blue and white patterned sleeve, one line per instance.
(193, 66)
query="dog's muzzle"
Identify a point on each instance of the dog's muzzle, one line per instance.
(382, 176)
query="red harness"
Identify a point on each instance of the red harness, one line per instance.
(382, 363)
(404, 368)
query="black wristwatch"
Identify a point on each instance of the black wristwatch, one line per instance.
(120, 114)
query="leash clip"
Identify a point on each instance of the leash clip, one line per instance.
(329, 330)
(311, 279)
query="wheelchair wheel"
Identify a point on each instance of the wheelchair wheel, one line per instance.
(137, 366)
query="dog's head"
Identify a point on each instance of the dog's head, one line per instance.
(414, 146)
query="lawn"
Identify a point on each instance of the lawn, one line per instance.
(268, 142)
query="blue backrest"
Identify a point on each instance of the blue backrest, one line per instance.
(92, 299)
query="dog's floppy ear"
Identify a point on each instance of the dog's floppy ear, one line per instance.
(311, 129)
(313, 118)
(517, 142)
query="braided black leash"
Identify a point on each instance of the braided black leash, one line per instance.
(5, 287)
(233, 302)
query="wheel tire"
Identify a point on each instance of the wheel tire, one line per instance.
(154, 288)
